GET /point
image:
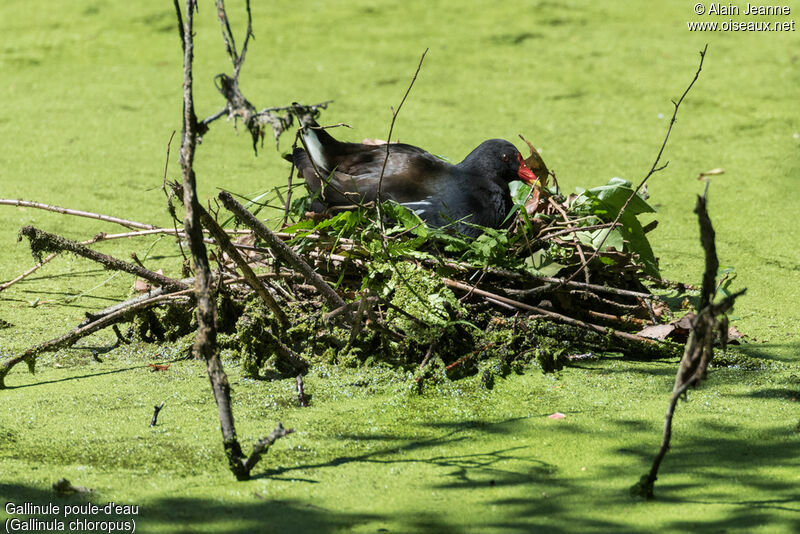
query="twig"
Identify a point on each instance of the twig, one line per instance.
(379, 197)
(629, 321)
(578, 246)
(29, 272)
(83, 330)
(391, 129)
(262, 446)
(177, 5)
(122, 339)
(655, 168)
(156, 409)
(573, 229)
(170, 207)
(288, 204)
(551, 314)
(224, 243)
(619, 307)
(699, 347)
(597, 287)
(358, 319)
(425, 361)
(281, 249)
(461, 361)
(301, 395)
(77, 213)
(42, 241)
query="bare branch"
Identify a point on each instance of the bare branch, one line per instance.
(83, 330)
(281, 249)
(395, 112)
(699, 351)
(42, 241)
(205, 344)
(77, 213)
(654, 169)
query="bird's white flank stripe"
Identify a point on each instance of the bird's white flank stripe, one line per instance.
(314, 148)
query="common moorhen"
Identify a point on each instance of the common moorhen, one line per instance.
(475, 191)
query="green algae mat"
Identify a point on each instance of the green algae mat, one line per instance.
(91, 96)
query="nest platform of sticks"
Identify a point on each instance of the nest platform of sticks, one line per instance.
(571, 278)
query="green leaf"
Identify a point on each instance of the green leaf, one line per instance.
(409, 220)
(615, 193)
(520, 192)
(594, 238)
(541, 263)
(606, 202)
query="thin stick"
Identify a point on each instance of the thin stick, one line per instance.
(578, 246)
(281, 249)
(597, 287)
(156, 410)
(287, 206)
(573, 229)
(553, 315)
(301, 395)
(77, 213)
(42, 241)
(358, 322)
(83, 330)
(29, 272)
(425, 360)
(170, 207)
(655, 168)
(391, 129)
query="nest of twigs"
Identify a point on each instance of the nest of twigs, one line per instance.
(570, 277)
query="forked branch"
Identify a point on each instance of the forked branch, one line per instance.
(710, 322)
(654, 169)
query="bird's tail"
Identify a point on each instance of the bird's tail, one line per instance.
(317, 141)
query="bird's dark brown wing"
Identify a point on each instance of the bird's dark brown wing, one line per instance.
(410, 173)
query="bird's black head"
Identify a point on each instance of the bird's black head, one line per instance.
(498, 158)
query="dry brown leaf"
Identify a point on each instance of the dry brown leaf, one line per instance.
(143, 286)
(536, 164)
(735, 337)
(712, 172)
(140, 286)
(657, 331)
(677, 330)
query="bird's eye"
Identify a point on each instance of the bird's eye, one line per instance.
(504, 157)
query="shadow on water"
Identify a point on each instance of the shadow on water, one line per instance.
(98, 350)
(767, 351)
(75, 377)
(519, 491)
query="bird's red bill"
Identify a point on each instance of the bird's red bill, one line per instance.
(525, 174)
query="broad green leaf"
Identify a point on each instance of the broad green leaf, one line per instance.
(542, 264)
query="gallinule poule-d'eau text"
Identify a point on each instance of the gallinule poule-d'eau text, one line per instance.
(475, 191)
